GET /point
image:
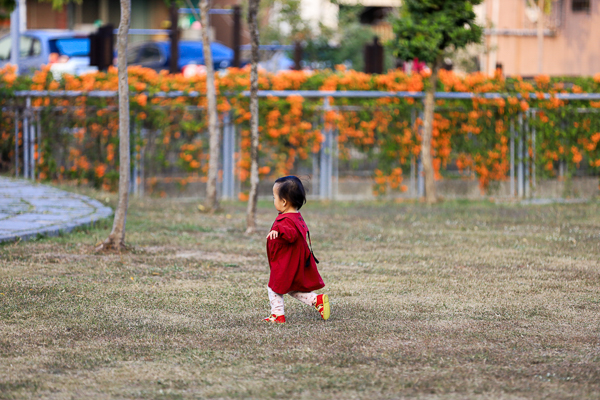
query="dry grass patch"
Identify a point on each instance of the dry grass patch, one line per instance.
(457, 301)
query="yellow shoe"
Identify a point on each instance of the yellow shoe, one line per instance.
(322, 306)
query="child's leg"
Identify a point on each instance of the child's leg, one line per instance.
(276, 300)
(308, 298)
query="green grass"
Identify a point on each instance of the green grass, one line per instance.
(462, 300)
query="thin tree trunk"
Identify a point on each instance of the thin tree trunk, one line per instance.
(251, 212)
(212, 203)
(430, 195)
(116, 239)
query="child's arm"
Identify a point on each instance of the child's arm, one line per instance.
(285, 230)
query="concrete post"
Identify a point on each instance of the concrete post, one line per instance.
(512, 157)
(15, 33)
(144, 135)
(335, 165)
(533, 172)
(228, 181)
(315, 175)
(32, 148)
(520, 170)
(420, 176)
(39, 139)
(413, 171)
(325, 167)
(420, 180)
(413, 177)
(16, 143)
(26, 138)
(526, 135)
(133, 181)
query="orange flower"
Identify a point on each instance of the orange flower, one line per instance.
(100, 170)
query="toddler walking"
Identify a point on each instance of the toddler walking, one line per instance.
(292, 262)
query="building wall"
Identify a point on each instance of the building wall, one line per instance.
(573, 50)
(42, 16)
(223, 24)
(146, 14)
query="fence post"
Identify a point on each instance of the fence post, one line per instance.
(16, 143)
(335, 163)
(228, 181)
(315, 175)
(527, 135)
(413, 178)
(420, 176)
(413, 172)
(39, 140)
(520, 155)
(533, 135)
(420, 179)
(512, 157)
(143, 134)
(32, 147)
(26, 138)
(325, 167)
(133, 180)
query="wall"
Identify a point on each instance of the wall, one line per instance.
(572, 51)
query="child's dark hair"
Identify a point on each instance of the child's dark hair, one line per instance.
(291, 189)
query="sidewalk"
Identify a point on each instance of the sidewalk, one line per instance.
(28, 209)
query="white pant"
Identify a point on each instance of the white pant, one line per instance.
(276, 300)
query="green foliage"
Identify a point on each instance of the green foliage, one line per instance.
(288, 13)
(426, 28)
(7, 5)
(352, 36)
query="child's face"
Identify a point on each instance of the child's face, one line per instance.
(279, 203)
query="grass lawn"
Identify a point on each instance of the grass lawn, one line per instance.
(457, 301)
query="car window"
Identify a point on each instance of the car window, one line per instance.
(71, 47)
(149, 54)
(36, 48)
(30, 47)
(25, 49)
(132, 54)
(5, 48)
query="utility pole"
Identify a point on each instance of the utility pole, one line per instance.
(540, 35)
(174, 63)
(237, 34)
(15, 32)
(298, 56)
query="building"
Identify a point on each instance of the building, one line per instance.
(570, 46)
(146, 14)
(375, 14)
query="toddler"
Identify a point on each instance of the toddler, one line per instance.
(292, 262)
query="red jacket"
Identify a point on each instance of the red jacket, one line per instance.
(287, 257)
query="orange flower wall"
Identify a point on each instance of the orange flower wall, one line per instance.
(80, 140)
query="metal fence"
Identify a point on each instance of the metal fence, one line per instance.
(325, 164)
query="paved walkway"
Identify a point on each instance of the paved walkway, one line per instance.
(28, 209)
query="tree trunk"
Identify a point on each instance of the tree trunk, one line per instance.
(430, 195)
(251, 212)
(212, 203)
(116, 239)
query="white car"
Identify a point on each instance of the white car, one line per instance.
(65, 52)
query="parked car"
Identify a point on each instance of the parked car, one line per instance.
(65, 51)
(157, 55)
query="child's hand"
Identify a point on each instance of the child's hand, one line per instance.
(272, 235)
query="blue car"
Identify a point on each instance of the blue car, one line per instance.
(157, 55)
(65, 51)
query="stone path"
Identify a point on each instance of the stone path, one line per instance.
(28, 209)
